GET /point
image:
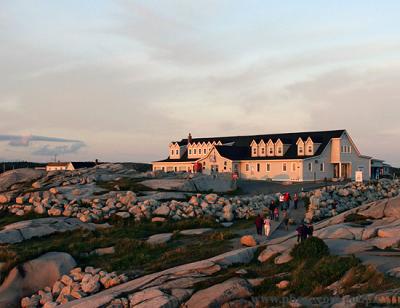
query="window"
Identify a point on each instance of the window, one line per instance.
(190, 151)
(321, 167)
(258, 167)
(172, 152)
(284, 167)
(293, 166)
(262, 151)
(279, 150)
(177, 152)
(205, 151)
(310, 149)
(199, 151)
(268, 167)
(254, 151)
(194, 151)
(247, 166)
(309, 166)
(300, 150)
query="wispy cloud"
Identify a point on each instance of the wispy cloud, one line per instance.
(20, 140)
(48, 150)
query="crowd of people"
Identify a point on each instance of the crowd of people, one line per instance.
(280, 207)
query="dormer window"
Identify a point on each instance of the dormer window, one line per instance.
(172, 152)
(300, 150)
(310, 149)
(262, 151)
(194, 151)
(177, 152)
(190, 151)
(271, 151)
(279, 150)
(205, 151)
(254, 151)
(200, 151)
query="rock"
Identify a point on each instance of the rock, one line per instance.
(36, 185)
(143, 296)
(217, 295)
(90, 284)
(37, 274)
(248, 240)
(271, 251)
(284, 258)
(389, 232)
(211, 198)
(104, 251)
(181, 295)
(159, 238)
(198, 231)
(163, 210)
(4, 199)
(238, 303)
(158, 219)
(123, 215)
(283, 284)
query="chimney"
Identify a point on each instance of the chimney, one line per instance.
(190, 139)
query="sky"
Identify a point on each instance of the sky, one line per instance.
(117, 80)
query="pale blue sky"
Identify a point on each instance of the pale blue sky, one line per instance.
(126, 77)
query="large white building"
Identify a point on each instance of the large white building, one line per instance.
(303, 156)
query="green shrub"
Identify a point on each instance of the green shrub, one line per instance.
(312, 248)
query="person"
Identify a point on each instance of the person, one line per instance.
(299, 231)
(271, 210)
(267, 226)
(276, 213)
(285, 216)
(259, 224)
(286, 200)
(281, 201)
(295, 200)
(310, 229)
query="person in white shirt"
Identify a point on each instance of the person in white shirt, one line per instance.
(267, 226)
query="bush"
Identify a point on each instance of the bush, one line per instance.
(312, 248)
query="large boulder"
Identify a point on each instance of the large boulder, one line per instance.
(34, 275)
(217, 295)
(159, 238)
(248, 240)
(392, 208)
(163, 210)
(23, 175)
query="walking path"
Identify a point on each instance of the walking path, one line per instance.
(277, 227)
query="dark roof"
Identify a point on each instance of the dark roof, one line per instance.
(83, 164)
(286, 138)
(240, 145)
(57, 164)
(182, 159)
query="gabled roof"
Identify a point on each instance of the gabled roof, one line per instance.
(286, 138)
(57, 164)
(241, 150)
(183, 158)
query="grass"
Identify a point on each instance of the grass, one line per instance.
(132, 253)
(313, 269)
(124, 183)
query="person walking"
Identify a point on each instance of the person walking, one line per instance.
(286, 201)
(259, 224)
(285, 216)
(296, 200)
(299, 231)
(281, 201)
(271, 209)
(276, 213)
(267, 226)
(310, 230)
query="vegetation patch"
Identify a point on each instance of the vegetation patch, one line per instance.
(124, 183)
(132, 253)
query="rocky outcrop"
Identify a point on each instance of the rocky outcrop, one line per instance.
(34, 275)
(27, 229)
